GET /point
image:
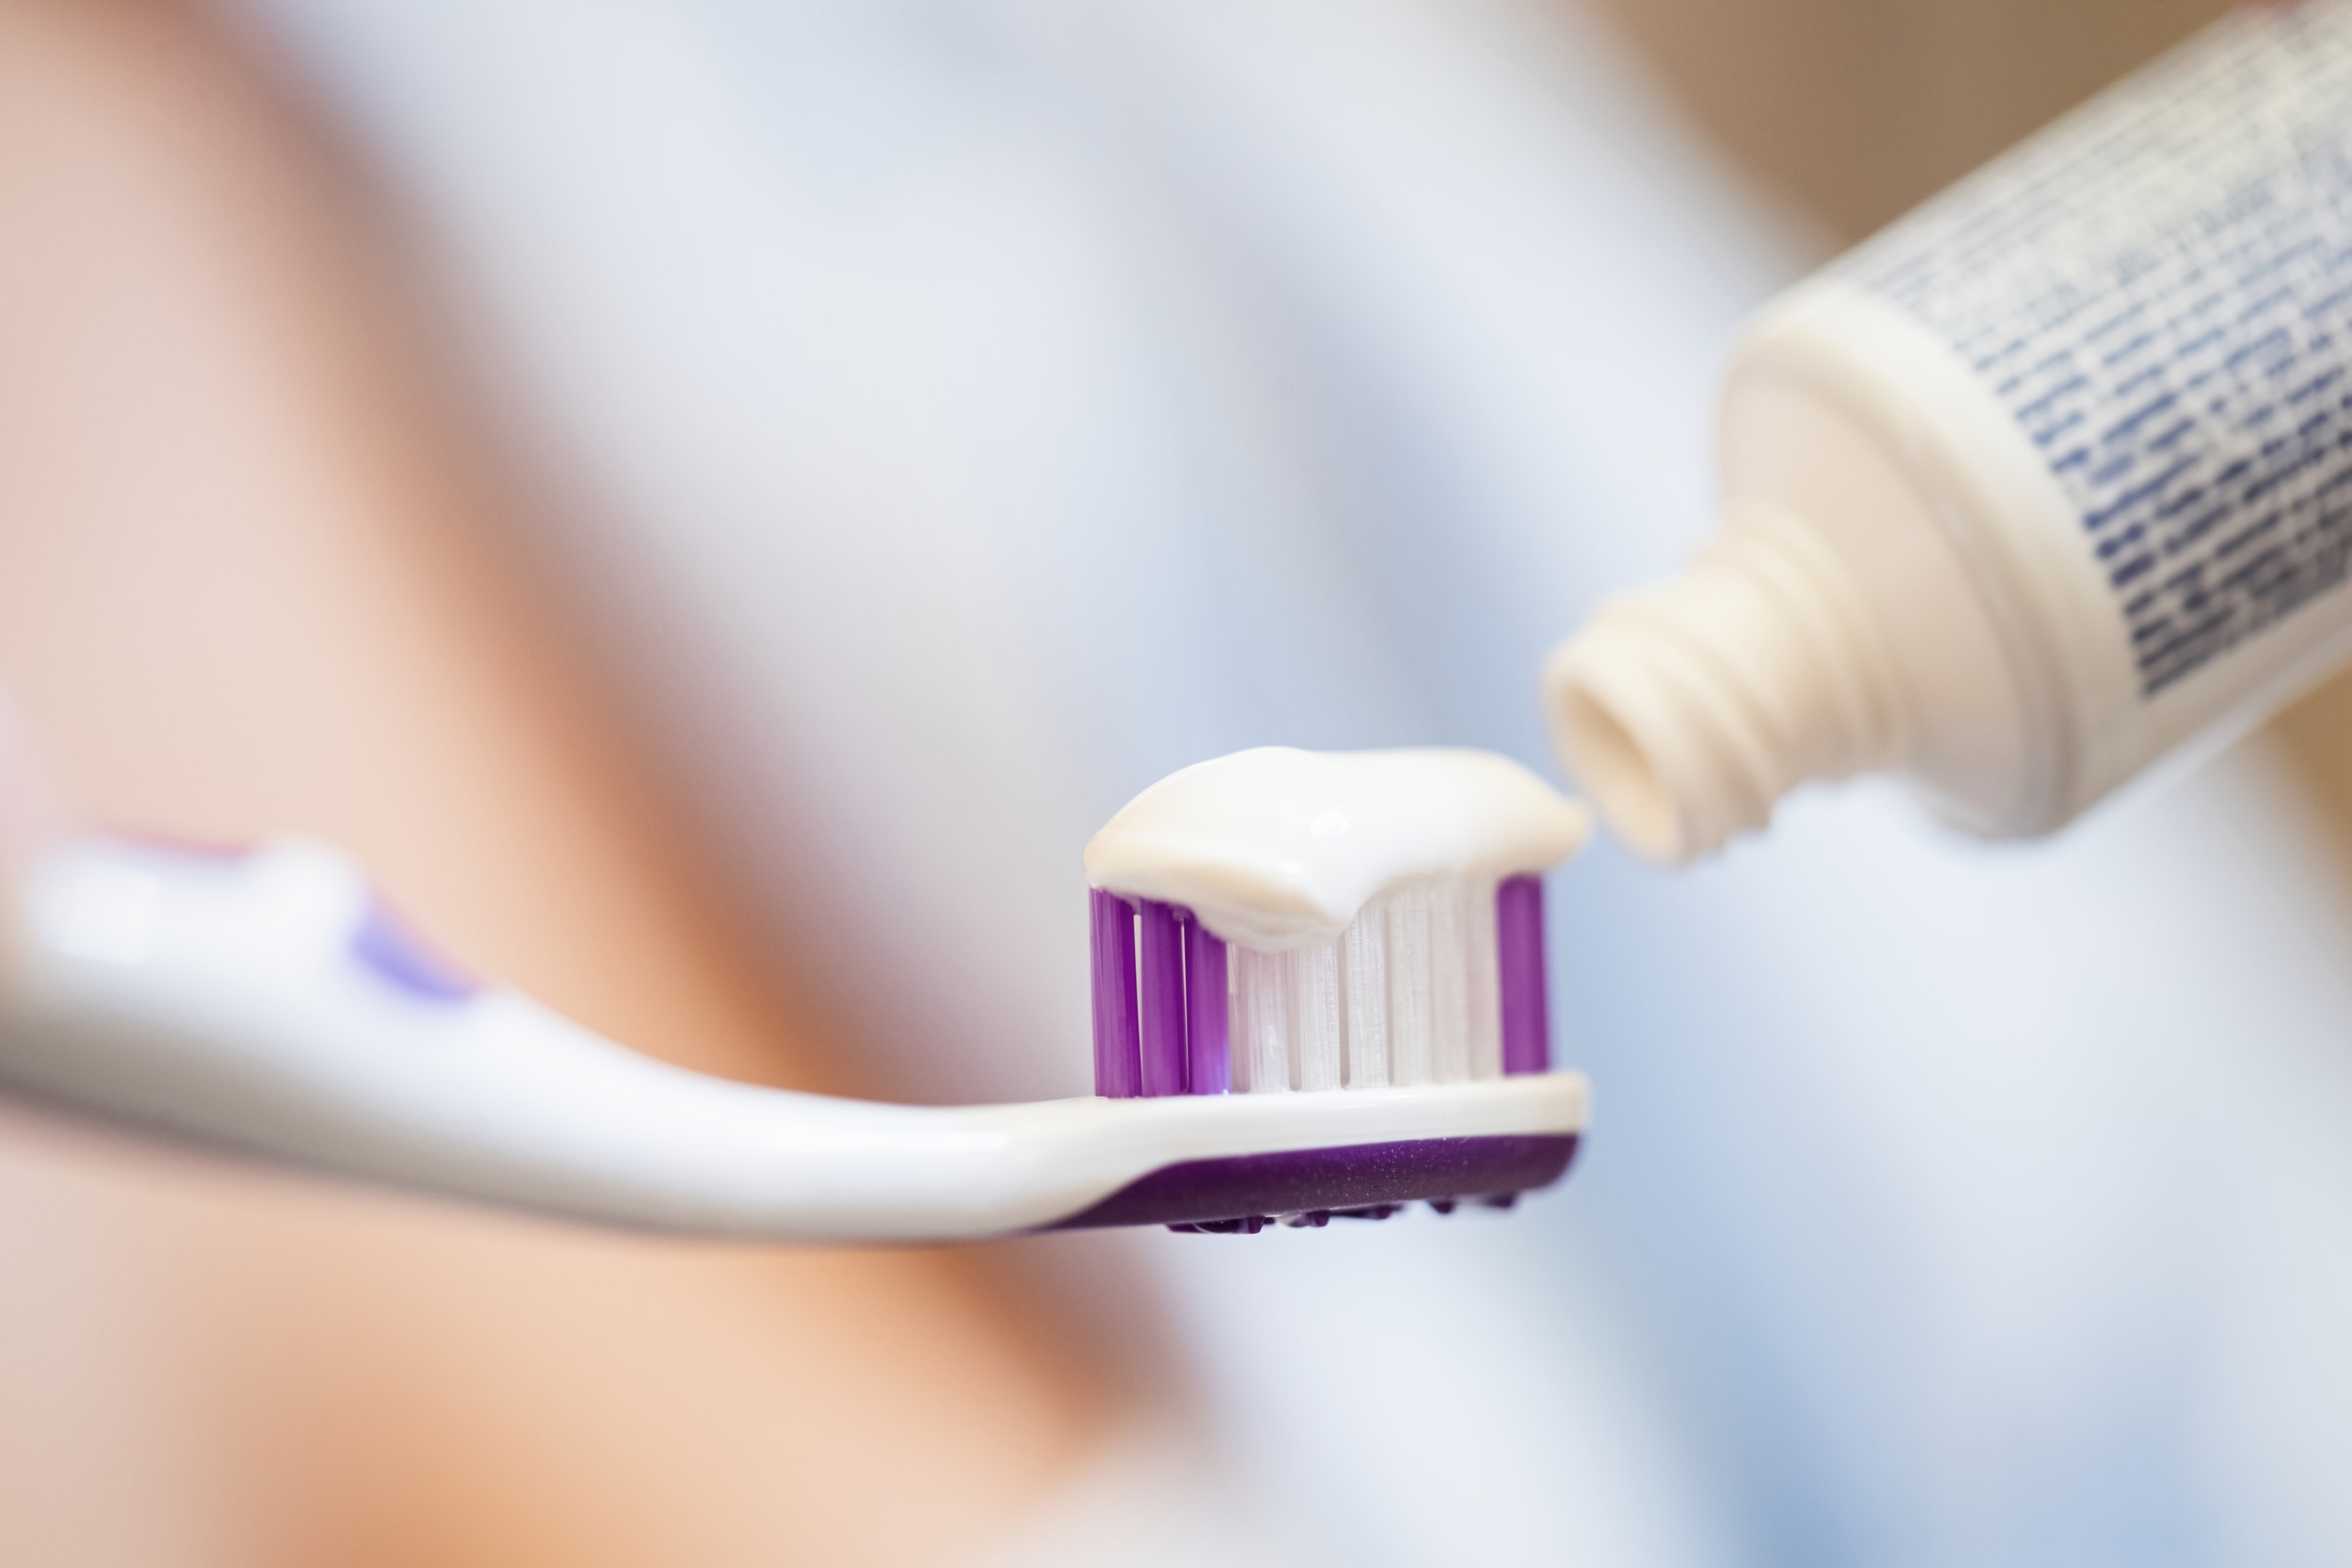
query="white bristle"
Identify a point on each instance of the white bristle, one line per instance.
(1482, 964)
(1409, 994)
(1449, 982)
(1318, 1043)
(1364, 977)
(1411, 1059)
(1261, 1020)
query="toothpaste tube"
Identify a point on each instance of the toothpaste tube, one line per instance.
(2048, 482)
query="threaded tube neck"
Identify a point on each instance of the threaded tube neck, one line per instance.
(1687, 712)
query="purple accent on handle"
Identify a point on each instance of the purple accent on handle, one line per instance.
(1519, 952)
(1359, 1176)
(1206, 1024)
(1160, 945)
(385, 943)
(1118, 1069)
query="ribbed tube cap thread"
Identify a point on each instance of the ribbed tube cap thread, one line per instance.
(1687, 712)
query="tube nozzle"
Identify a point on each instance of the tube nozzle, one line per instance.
(1686, 711)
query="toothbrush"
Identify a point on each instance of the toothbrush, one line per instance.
(269, 1003)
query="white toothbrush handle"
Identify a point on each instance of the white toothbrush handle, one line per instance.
(268, 1002)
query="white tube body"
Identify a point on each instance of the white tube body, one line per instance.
(2046, 483)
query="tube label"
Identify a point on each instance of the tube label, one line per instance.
(2159, 289)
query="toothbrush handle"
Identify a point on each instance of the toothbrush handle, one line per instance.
(269, 1003)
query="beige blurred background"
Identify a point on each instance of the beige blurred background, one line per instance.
(1853, 109)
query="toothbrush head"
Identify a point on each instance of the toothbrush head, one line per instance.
(1289, 923)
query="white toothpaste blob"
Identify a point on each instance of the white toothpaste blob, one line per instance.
(1277, 849)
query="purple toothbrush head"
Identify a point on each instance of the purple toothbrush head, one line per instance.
(1430, 988)
(1436, 983)
(1364, 1181)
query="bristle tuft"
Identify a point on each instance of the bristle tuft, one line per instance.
(1118, 1063)
(1438, 980)
(1411, 1055)
(1412, 993)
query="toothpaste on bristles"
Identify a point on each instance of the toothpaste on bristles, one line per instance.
(1283, 920)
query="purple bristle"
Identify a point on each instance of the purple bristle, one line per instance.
(1519, 955)
(1160, 998)
(1159, 946)
(1209, 1069)
(1118, 1072)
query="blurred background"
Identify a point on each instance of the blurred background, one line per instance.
(715, 503)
